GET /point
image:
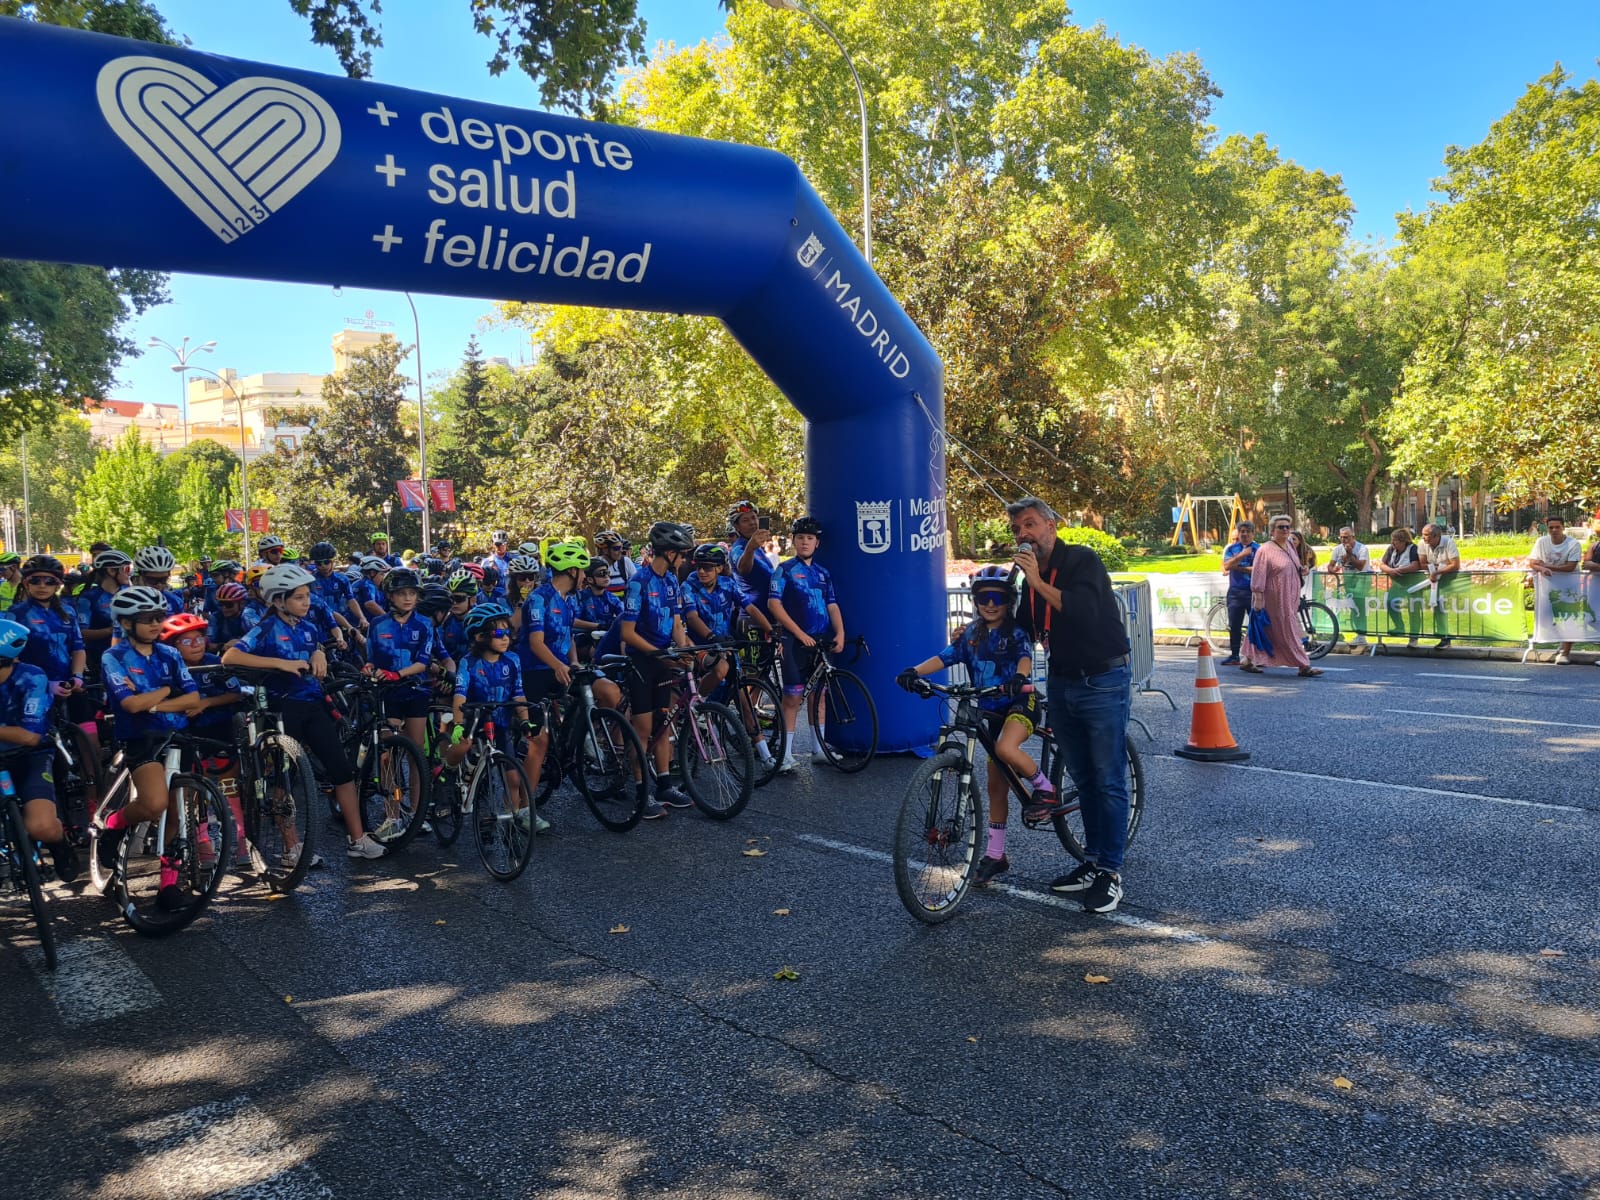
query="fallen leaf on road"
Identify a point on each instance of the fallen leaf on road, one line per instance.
(786, 973)
(972, 1039)
(1097, 979)
(439, 922)
(288, 999)
(277, 896)
(619, 929)
(780, 912)
(754, 853)
(754, 840)
(1547, 820)
(1549, 953)
(1343, 1084)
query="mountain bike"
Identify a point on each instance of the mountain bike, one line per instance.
(1319, 627)
(23, 865)
(391, 775)
(598, 751)
(943, 814)
(759, 701)
(495, 797)
(77, 774)
(840, 710)
(196, 835)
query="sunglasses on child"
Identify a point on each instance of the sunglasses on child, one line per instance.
(494, 633)
(990, 598)
(43, 581)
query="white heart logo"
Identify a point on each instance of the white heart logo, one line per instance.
(233, 155)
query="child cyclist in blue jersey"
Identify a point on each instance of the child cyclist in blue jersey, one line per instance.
(598, 608)
(153, 567)
(150, 694)
(652, 620)
(55, 642)
(804, 607)
(712, 603)
(286, 643)
(25, 725)
(545, 642)
(997, 653)
(488, 674)
(400, 647)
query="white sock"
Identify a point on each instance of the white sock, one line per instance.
(764, 754)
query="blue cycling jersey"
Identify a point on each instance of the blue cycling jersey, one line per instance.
(603, 609)
(718, 606)
(611, 643)
(757, 582)
(480, 681)
(548, 612)
(1239, 581)
(321, 613)
(394, 645)
(254, 613)
(98, 603)
(277, 638)
(651, 603)
(224, 629)
(25, 700)
(990, 656)
(805, 590)
(334, 590)
(127, 673)
(214, 722)
(451, 635)
(53, 637)
(367, 592)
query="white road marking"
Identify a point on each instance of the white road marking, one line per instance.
(226, 1147)
(1459, 675)
(95, 980)
(1342, 670)
(1170, 932)
(1397, 787)
(1416, 712)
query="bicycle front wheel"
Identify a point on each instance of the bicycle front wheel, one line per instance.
(936, 838)
(1217, 624)
(192, 857)
(611, 774)
(761, 706)
(277, 816)
(23, 855)
(1321, 628)
(1069, 822)
(502, 816)
(844, 720)
(394, 791)
(716, 761)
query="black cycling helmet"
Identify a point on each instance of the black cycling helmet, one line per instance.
(709, 554)
(433, 599)
(667, 535)
(323, 552)
(44, 564)
(401, 577)
(598, 566)
(806, 525)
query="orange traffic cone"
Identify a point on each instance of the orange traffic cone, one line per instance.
(1210, 739)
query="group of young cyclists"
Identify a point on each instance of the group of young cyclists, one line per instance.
(116, 647)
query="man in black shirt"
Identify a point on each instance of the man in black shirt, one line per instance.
(1068, 606)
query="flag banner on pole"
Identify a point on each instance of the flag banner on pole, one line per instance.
(259, 521)
(443, 492)
(410, 491)
(235, 520)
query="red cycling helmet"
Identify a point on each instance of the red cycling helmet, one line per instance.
(473, 569)
(233, 593)
(179, 624)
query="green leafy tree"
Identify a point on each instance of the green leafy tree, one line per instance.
(200, 523)
(129, 499)
(61, 454)
(220, 464)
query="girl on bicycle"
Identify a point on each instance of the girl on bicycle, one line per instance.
(400, 647)
(228, 622)
(151, 693)
(997, 653)
(490, 675)
(286, 643)
(25, 725)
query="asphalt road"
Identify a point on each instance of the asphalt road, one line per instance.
(1372, 900)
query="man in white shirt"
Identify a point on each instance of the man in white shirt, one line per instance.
(1439, 556)
(1556, 554)
(1350, 556)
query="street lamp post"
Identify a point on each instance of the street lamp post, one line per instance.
(861, 99)
(244, 470)
(183, 354)
(388, 507)
(422, 434)
(1288, 500)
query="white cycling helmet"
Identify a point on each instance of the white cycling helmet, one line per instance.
(131, 602)
(282, 579)
(111, 560)
(271, 542)
(154, 560)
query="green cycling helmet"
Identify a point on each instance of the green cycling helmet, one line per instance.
(567, 556)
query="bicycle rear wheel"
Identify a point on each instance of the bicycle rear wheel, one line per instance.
(446, 801)
(611, 772)
(761, 707)
(78, 782)
(277, 817)
(715, 760)
(936, 838)
(1321, 628)
(846, 726)
(1069, 822)
(502, 816)
(1217, 624)
(200, 860)
(394, 791)
(22, 851)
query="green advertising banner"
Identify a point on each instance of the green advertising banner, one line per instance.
(1483, 605)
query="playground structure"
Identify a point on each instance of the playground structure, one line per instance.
(1190, 514)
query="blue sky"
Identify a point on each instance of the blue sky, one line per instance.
(1373, 91)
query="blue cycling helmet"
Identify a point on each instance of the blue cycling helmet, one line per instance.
(994, 576)
(486, 616)
(13, 637)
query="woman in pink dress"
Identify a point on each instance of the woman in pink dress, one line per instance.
(1275, 583)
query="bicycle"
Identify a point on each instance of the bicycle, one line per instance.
(942, 815)
(760, 702)
(22, 866)
(841, 711)
(196, 834)
(391, 774)
(273, 791)
(1319, 627)
(714, 754)
(599, 751)
(77, 774)
(496, 796)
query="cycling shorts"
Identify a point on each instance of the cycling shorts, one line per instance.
(311, 724)
(798, 663)
(1024, 708)
(138, 751)
(398, 705)
(650, 684)
(31, 775)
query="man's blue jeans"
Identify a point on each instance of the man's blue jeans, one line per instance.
(1090, 719)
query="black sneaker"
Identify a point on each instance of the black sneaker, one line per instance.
(1443, 644)
(110, 840)
(674, 797)
(66, 860)
(1104, 894)
(988, 868)
(1079, 879)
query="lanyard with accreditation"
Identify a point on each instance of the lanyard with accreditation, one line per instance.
(1035, 602)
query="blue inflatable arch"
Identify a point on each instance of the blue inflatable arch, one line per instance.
(120, 153)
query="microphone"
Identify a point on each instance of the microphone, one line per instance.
(1016, 571)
